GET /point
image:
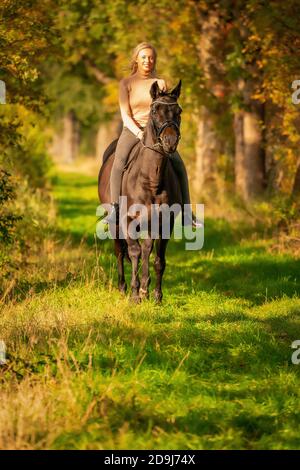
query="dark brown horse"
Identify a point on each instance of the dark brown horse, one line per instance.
(149, 178)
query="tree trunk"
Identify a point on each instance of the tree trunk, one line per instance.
(250, 177)
(206, 152)
(208, 142)
(296, 185)
(71, 137)
(107, 132)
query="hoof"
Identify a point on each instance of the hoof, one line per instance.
(123, 288)
(135, 299)
(158, 296)
(143, 294)
(135, 296)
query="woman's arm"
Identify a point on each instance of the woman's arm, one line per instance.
(125, 109)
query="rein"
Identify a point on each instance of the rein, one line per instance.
(153, 148)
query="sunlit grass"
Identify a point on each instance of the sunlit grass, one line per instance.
(208, 369)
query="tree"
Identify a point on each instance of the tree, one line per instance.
(263, 64)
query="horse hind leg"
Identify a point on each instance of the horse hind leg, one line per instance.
(134, 251)
(120, 251)
(159, 267)
(147, 246)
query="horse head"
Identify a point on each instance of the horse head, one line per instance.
(165, 117)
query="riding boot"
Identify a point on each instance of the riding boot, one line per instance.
(113, 217)
(189, 218)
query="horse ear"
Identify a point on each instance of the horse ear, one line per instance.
(154, 90)
(177, 89)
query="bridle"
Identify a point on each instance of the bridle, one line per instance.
(166, 124)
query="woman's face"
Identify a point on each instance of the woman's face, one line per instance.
(145, 60)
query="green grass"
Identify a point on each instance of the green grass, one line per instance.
(208, 369)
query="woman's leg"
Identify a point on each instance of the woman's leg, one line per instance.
(125, 143)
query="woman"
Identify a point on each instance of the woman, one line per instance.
(135, 100)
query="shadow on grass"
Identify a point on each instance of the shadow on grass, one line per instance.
(255, 280)
(24, 288)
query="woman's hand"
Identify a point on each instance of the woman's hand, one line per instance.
(140, 134)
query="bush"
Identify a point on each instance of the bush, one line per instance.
(24, 189)
(23, 145)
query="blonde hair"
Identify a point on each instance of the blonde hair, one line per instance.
(135, 53)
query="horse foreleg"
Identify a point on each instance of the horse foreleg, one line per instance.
(134, 251)
(147, 246)
(159, 266)
(120, 253)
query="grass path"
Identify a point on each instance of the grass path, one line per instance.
(209, 369)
